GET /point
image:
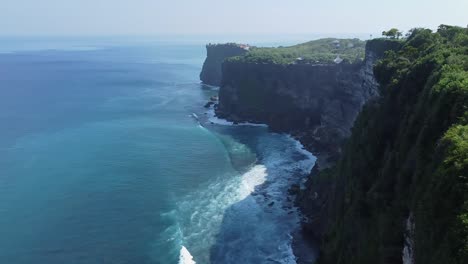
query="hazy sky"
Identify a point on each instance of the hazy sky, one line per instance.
(145, 17)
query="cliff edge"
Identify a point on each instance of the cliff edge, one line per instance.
(216, 54)
(314, 96)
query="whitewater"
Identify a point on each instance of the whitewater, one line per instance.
(108, 156)
(248, 218)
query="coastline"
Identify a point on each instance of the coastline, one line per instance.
(356, 188)
(303, 247)
(319, 117)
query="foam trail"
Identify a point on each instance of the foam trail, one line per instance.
(185, 256)
(216, 120)
(210, 217)
(211, 87)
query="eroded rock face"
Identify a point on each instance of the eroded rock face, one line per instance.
(216, 54)
(317, 103)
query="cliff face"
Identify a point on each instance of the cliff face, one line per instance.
(399, 193)
(318, 103)
(216, 54)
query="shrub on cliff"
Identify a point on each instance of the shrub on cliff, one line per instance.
(393, 33)
(315, 52)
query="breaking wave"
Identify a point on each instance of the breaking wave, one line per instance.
(248, 216)
(185, 256)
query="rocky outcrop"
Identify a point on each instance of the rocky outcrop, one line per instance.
(317, 103)
(216, 54)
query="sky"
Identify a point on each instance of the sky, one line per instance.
(211, 17)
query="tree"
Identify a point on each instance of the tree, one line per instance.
(392, 33)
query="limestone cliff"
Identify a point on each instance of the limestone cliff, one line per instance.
(399, 192)
(316, 102)
(216, 54)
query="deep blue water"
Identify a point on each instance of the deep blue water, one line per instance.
(102, 161)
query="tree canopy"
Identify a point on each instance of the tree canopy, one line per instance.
(393, 33)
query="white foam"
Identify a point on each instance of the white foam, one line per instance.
(185, 256)
(219, 121)
(257, 199)
(300, 148)
(251, 179)
(211, 87)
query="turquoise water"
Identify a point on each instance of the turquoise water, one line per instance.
(102, 161)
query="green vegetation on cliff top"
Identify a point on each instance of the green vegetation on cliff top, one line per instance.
(407, 158)
(322, 51)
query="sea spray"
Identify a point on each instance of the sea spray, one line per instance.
(185, 256)
(247, 217)
(100, 153)
(200, 214)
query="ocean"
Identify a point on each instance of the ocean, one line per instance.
(107, 155)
